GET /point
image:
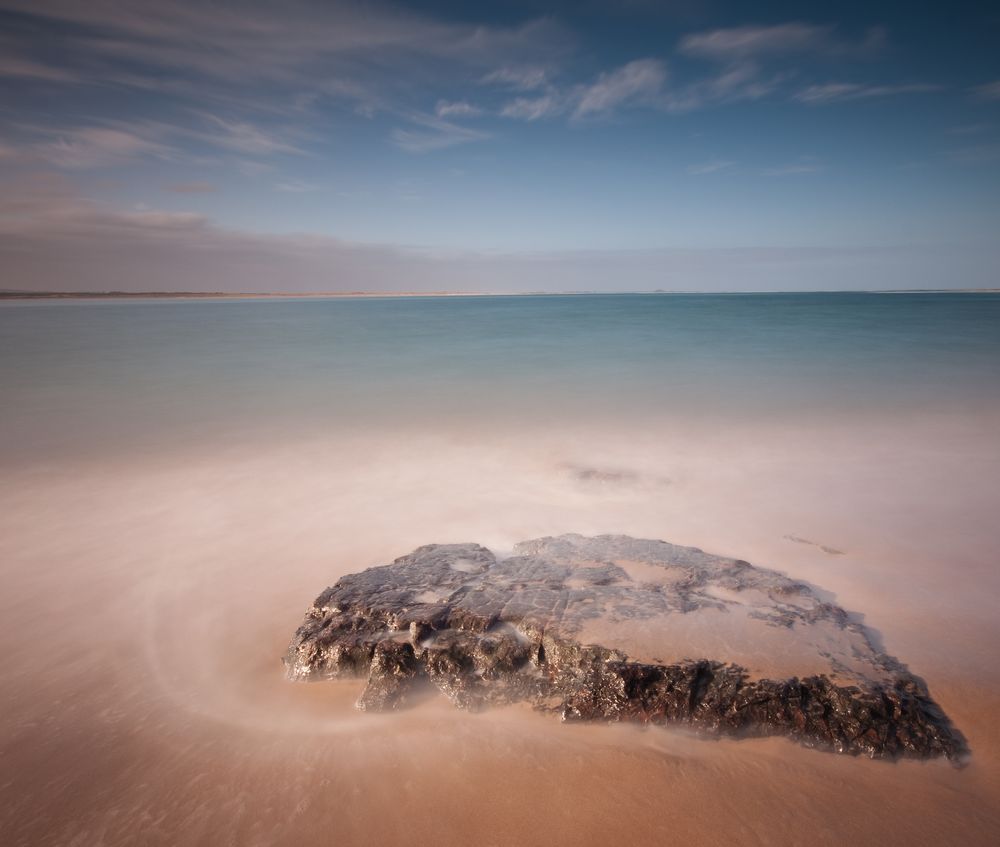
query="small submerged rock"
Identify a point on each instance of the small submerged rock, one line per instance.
(618, 628)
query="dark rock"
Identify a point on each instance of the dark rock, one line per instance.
(581, 626)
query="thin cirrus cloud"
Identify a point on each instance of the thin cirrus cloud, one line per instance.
(746, 55)
(733, 84)
(335, 47)
(743, 42)
(520, 79)
(839, 91)
(431, 133)
(636, 84)
(639, 82)
(244, 137)
(709, 167)
(533, 108)
(304, 55)
(23, 68)
(989, 91)
(93, 147)
(294, 57)
(456, 108)
(116, 142)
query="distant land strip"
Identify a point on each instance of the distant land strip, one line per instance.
(78, 295)
(8, 294)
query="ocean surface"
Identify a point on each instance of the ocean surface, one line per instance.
(152, 374)
(179, 478)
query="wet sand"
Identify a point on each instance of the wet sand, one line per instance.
(148, 598)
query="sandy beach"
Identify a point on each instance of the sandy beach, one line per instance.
(148, 601)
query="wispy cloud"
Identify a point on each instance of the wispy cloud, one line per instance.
(456, 109)
(93, 147)
(746, 42)
(520, 79)
(24, 68)
(805, 165)
(836, 91)
(638, 82)
(734, 83)
(644, 83)
(754, 60)
(337, 48)
(116, 141)
(533, 108)
(966, 129)
(434, 133)
(979, 154)
(989, 91)
(242, 137)
(709, 167)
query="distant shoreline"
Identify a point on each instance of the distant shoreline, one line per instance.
(228, 295)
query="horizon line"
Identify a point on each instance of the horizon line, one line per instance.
(17, 294)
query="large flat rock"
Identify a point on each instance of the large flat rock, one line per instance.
(619, 628)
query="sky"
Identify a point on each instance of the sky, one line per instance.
(507, 147)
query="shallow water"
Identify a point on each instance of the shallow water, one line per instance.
(181, 479)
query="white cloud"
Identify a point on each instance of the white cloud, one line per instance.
(638, 82)
(116, 141)
(781, 39)
(746, 54)
(94, 147)
(532, 108)
(521, 79)
(434, 134)
(280, 52)
(456, 108)
(643, 83)
(242, 137)
(834, 91)
(734, 83)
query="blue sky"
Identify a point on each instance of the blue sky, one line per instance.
(307, 146)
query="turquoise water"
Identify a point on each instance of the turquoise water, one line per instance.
(150, 374)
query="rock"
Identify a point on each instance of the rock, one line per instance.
(616, 628)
